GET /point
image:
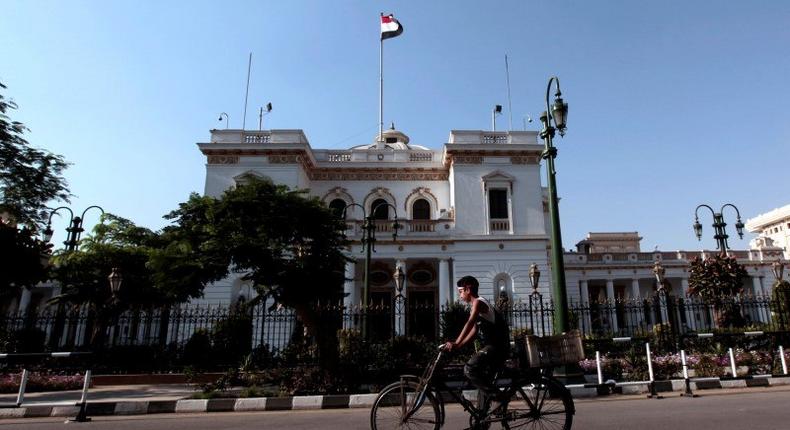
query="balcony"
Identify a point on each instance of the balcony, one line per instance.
(500, 225)
(428, 227)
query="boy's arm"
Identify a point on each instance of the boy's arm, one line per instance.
(470, 329)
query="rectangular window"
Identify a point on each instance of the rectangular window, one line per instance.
(497, 204)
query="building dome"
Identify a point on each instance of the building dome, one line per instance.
(391, 139)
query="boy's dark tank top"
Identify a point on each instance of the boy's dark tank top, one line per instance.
(493, 328)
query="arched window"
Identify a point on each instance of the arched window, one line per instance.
(337, 206)
(421, 209)
(381, 208)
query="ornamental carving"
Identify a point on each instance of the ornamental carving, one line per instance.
(523, 160)
(223, 159)
(285, 159)
(419, 192)
(338, 193)
(318, 175)
(468, 159)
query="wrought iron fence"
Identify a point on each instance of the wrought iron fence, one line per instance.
(274, 328)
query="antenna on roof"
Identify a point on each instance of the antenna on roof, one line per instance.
(246, 93)
(509, 105)
(262, 113)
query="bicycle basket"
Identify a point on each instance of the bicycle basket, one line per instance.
(550, 351)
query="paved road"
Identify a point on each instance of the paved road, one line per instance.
(753, 410)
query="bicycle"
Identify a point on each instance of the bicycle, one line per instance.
(533, 398)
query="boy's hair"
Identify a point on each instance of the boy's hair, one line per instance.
(469, 282)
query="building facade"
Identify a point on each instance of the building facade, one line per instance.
(475, 207)
(772, 228)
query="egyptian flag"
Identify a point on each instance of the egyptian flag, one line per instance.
(390, 27)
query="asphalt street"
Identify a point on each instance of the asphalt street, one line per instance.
(753, 410)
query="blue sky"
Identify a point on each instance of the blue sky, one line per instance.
(672, 103)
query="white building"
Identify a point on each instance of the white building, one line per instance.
(475, 207)
(773, 228)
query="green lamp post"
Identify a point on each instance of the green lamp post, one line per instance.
(553, 119)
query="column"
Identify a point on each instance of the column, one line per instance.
(612, 307)
(762, 312)
(691, 316)
(24, 301)
(350, 296)
(445, 292)
(585, 292)
(584, 304)
(635, 293)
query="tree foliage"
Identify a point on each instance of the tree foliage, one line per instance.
(718, 280)
(715, 277)
(290, 248)
(24, 262)
(118, 242)
(29, 177)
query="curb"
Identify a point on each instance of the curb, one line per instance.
(345, 401)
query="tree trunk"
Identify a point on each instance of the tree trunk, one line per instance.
(324, 333)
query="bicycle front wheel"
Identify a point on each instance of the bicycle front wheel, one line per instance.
(545, 404)
(395, 408)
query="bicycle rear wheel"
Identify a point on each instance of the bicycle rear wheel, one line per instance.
(544, 404)
(395, 401)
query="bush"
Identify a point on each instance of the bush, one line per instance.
(197, 351)
(231, 337)
(26, 340)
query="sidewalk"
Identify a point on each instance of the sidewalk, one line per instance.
(173, 398)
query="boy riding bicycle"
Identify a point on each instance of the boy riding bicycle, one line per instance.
(494, 332)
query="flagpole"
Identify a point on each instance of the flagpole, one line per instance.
(381, 89)
(246, 93)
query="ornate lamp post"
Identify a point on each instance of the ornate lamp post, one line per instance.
(400, 323)
(534, 277)
(115, 279)
(659, 271)
(369, 239)
(553, 119)
(74, 230)
(778, 268)
(720, 234)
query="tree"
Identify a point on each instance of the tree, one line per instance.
(289, 246)
(148, 262)
(29, 177)
(718, 280)
(155, 269)
(25, 259)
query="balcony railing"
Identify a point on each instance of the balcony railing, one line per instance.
(500, 225)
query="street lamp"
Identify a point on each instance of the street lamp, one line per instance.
(369, 239)
(115, 279)
(778, 268)
(74, 230)
(534, 277)
(227, 121)
(555, 114)
(399, 277)
(659, 271)
(718, 226)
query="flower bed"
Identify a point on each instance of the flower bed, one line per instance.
(669, 366)
(37, 381)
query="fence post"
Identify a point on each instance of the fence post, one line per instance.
(653, 393)
(732, 364)
(782, 358)
(598, 365)
(82, 415)
(22, 385)
(688, 392)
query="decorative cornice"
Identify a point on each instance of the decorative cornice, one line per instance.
(300, 156)
(467, 159)
(377, 175)
(223, 159)
(521, 159)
